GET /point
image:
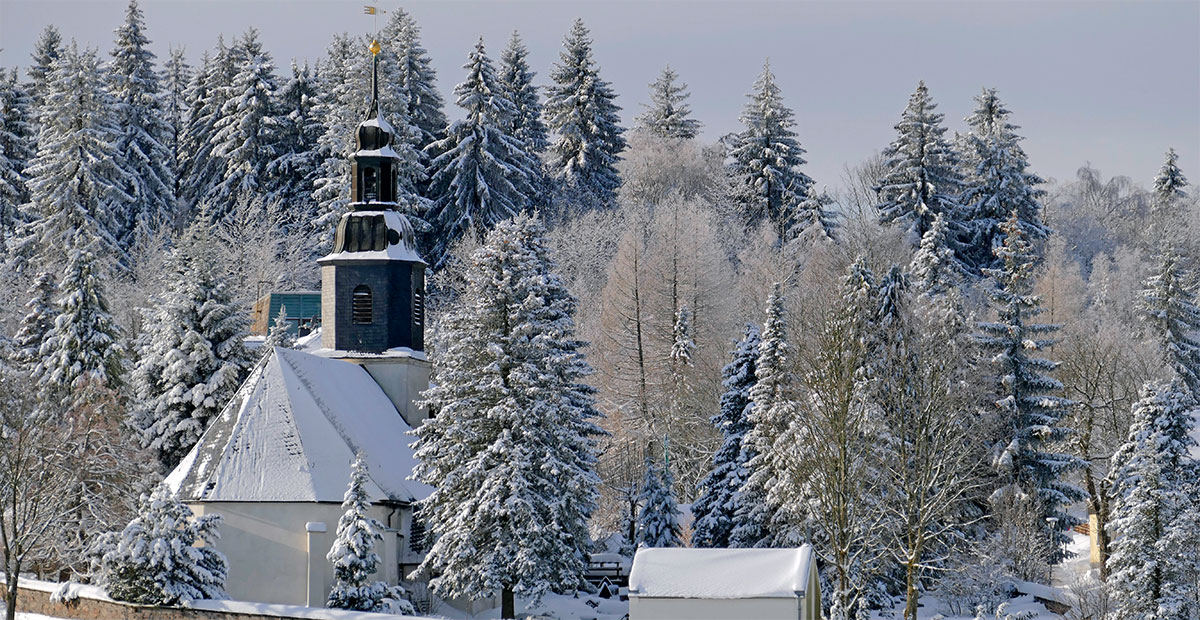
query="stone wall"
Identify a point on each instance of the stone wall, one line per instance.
(36, 600)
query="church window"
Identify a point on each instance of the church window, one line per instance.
(370, 185)
(360, 305)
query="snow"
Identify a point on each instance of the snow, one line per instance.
(291, 434)
(720, 573)
(932, 607)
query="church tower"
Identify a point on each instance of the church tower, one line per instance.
(373, 283)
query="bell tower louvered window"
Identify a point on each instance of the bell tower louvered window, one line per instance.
(360, 306)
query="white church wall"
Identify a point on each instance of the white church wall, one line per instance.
(273, 553)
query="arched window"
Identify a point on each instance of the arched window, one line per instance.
(360, 305)
(370, 185)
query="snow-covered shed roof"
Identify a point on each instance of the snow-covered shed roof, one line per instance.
(720, 573)
(291, 433)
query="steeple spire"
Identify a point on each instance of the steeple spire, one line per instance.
(375, 49)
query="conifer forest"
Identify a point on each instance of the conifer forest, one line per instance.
(973, 390)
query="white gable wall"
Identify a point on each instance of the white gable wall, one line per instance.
(274, 559)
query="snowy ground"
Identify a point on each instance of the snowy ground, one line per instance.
(553, 607)
(932, 607)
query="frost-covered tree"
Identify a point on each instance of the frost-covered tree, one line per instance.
(155, 560)
(512, 443)
(1025, 398)
(75, 183)
(766, 160)
(516, 80)
(715, 511)
(683, 343)
(582, 112)
(177, 79)
(934, 267)
(37, 322)
(143, 134)
(667, 114)
(278, 335)
(16, 149)
(354, 558)
(1166, 206)
(815, 217)
(921, 177)
(996, 182)
(418, 79)
(1156, 510)
(209, 91)
(244, 133)
(84, 346)
(46, 52)
(190, 357)
(482, 175)
(760, 519)
(658, 520)
(1169, 307)
(293, 170)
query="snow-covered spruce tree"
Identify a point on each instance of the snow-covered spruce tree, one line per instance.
(482, 175)
(84, 345)
(921, 177)
(582, 113)
(293, 170)
(766, 160)
(934, 266)
(207, 94)
(516, 80)
(416, 79)
(37, 322)
(715, 510)
(815, 217)
(154, 560)
(16, 149)
(1155, 508)
(759, 520)
(354, 558)
(74, 181)
(1167, 209)
(1024, 397)
(1170, 309)
(512, 444)
(667, 114)
(683, 343)
(190, 357)
(278, 335)
(340, 107)
(143, 136)
(244, 133)
(996, 182)
(46, 52)
(177, 76)
(658, 520)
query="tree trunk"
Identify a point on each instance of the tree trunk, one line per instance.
(507, 605)
(10, 597)
(911, 594)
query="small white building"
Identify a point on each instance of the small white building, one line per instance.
(724, 584)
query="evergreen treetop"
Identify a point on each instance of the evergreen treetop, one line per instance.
(766, 159)
(581, 109)
(667, 114)
(920, 169)
(516, 80)
(1169, 307)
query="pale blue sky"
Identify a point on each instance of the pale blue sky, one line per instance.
(1113, 83)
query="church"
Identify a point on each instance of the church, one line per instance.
(276, 462)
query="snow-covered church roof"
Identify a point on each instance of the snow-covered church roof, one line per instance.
(291, 433)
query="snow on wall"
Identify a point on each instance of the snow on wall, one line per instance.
(720, 573)
(291, 433)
